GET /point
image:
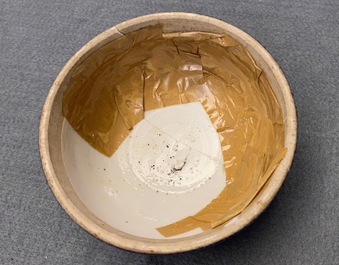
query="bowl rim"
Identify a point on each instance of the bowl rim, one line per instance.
(262, 199)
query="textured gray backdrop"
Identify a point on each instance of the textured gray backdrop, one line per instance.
(299, 227)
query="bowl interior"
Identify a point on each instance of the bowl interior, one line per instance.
(62, 151)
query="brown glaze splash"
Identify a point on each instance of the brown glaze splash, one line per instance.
(144, 70)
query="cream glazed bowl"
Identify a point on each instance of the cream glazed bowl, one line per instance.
(102, 201)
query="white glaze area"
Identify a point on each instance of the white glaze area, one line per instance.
(169, 167)
(174, 149)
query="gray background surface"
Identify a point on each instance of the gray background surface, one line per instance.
(299, 227)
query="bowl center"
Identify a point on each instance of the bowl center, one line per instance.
(169, 167)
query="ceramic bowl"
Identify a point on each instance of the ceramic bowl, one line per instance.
(60, 149)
